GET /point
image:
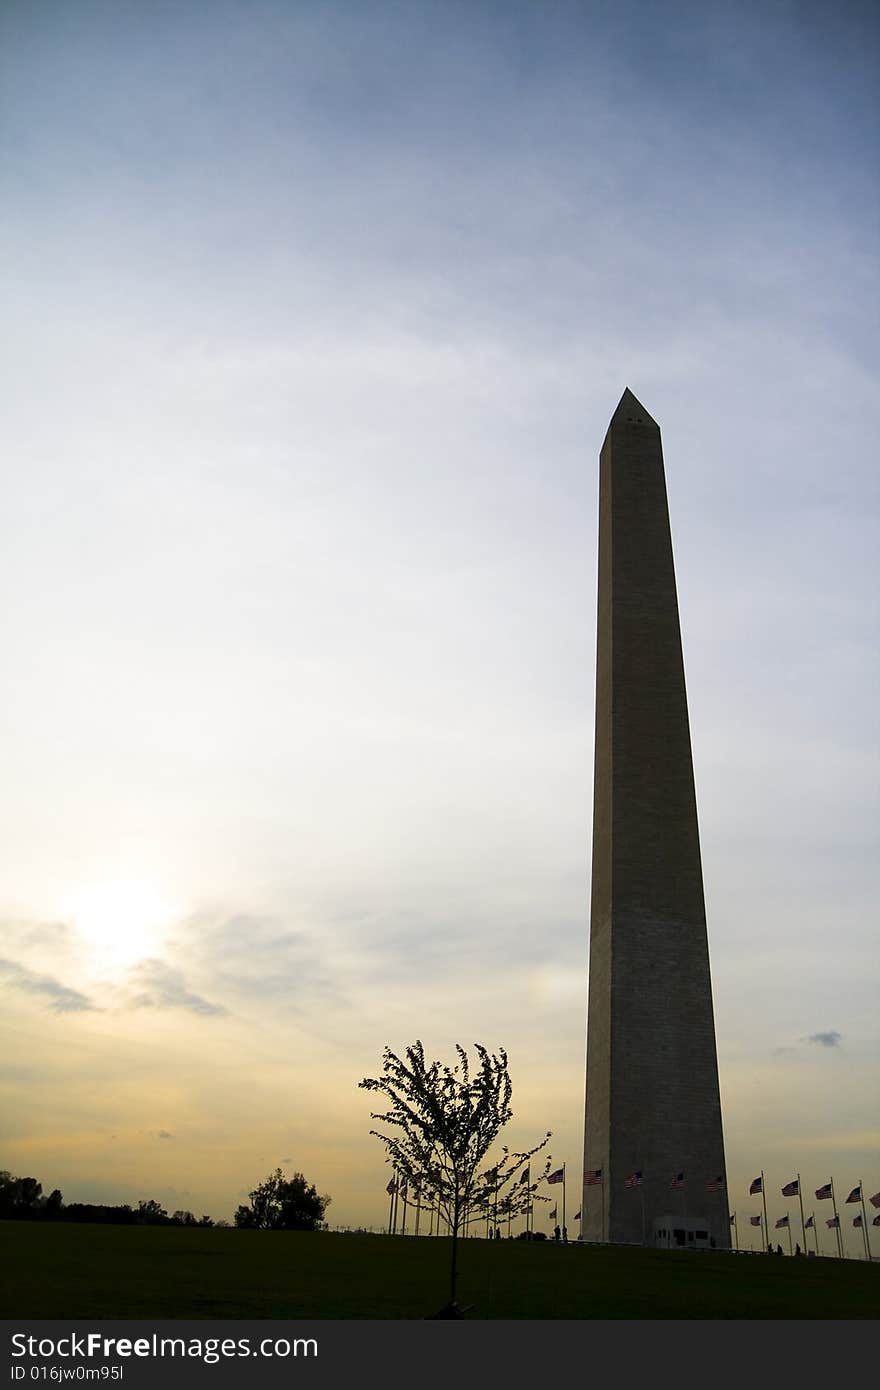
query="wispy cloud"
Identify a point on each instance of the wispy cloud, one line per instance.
(256, 956)
(164, 1134)
(160, 986)
(26, 933)
(62, 999)
(829, 1039)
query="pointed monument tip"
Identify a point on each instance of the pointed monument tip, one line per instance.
(631, 411)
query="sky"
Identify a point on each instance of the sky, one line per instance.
(316, 315)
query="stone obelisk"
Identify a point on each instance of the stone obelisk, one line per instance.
(652, 1099)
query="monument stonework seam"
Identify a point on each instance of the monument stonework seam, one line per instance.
(652, 1095)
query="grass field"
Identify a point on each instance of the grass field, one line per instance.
(73, 1271)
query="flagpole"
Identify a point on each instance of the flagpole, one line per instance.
(735, 1233)
(864, 1220)
(391, 1207)
(563, 1196)
(418, 1207)
(801, 1200)
(834, 1205)
(764, 1200)
(788, 1228)
(815, 1230)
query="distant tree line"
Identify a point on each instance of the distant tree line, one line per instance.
(22, 1199)
(277, 1204)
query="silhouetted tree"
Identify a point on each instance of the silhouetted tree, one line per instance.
(183, 1218)
(54, 1205)
(283, 1204)
(20, 1198)
(446, 1120)
(29, 1193)
(8, 1192)
(151, 1213)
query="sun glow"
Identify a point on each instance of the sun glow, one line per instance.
(119, 920)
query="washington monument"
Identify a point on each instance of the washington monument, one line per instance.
(653, 1148)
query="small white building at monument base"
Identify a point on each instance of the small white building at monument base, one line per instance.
(673, 1232)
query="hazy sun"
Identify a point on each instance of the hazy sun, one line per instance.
(120, 919)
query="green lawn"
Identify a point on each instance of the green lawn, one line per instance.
(73, 1271)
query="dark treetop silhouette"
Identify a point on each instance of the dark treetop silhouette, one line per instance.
(445, 1120)
(283, 1204)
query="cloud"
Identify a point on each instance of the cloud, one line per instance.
(829, 1039)
(260, 956)
(63, 999)
(27, 933)
(164, 1134)
(160, 986)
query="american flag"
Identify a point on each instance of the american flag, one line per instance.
(678, 1180)
(823, 1192)
(876, 1221)
(715, 1184)
(791, 1189)
(783, 1221)
(592, 1177)
(856, 1194)
(577, 1216)
(756, 1186)
(755, 1220)
(857, 1220)
(392, 1187)
(553, 1214)
(808, 1223)
(634, 1179)
(558, 1176)
(732, 1217)
(875, 1200)
(833, 1221)
(524, 1176)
